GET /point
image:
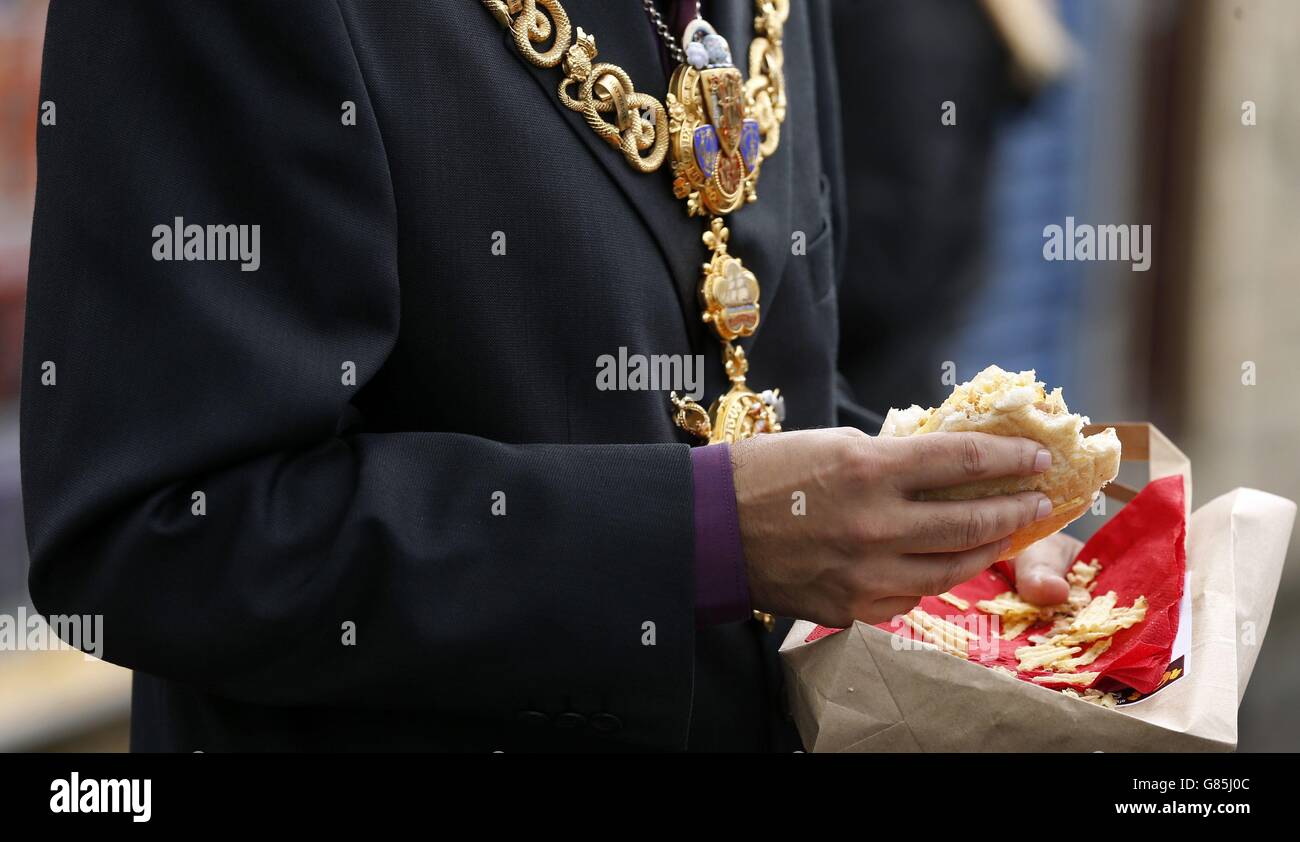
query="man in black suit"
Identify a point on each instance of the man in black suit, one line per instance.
(359, 490)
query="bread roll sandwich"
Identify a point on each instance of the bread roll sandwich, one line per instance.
(1005, 404)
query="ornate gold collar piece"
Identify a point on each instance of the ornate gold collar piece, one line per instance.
(718, 128)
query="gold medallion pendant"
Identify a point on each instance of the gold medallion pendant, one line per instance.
(720, 129)
(729, 297)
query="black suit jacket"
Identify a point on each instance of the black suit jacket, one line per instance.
(330, 504)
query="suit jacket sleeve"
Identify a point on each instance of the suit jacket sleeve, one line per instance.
(178, 377)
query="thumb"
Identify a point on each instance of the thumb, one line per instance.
(1041, 568)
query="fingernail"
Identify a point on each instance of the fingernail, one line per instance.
(1003, 546)
(1042, 461)
(1044, 508)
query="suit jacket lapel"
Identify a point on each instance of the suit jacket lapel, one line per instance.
(624, 37)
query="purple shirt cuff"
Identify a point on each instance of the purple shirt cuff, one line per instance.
(721, 585)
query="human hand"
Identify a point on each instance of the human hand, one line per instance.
(865, 549)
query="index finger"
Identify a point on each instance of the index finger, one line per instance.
(937, 460)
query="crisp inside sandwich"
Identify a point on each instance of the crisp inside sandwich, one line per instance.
(1006, 404)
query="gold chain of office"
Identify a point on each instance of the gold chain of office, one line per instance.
(629, 120)
(719, 128)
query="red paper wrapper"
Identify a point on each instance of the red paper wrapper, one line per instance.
(1142, 553)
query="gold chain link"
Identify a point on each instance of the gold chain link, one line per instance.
(639, 124)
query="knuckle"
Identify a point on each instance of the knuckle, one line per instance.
(1001, 519)
(975, 528)
(1028, 509)
(857, 537)
(856, 460)
(860, 534)
(1028, 453)
(973, 456)
(886, 527)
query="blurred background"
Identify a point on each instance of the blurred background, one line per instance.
(52, 700)
(969, 125)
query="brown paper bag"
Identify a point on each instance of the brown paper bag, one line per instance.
(856, 691)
